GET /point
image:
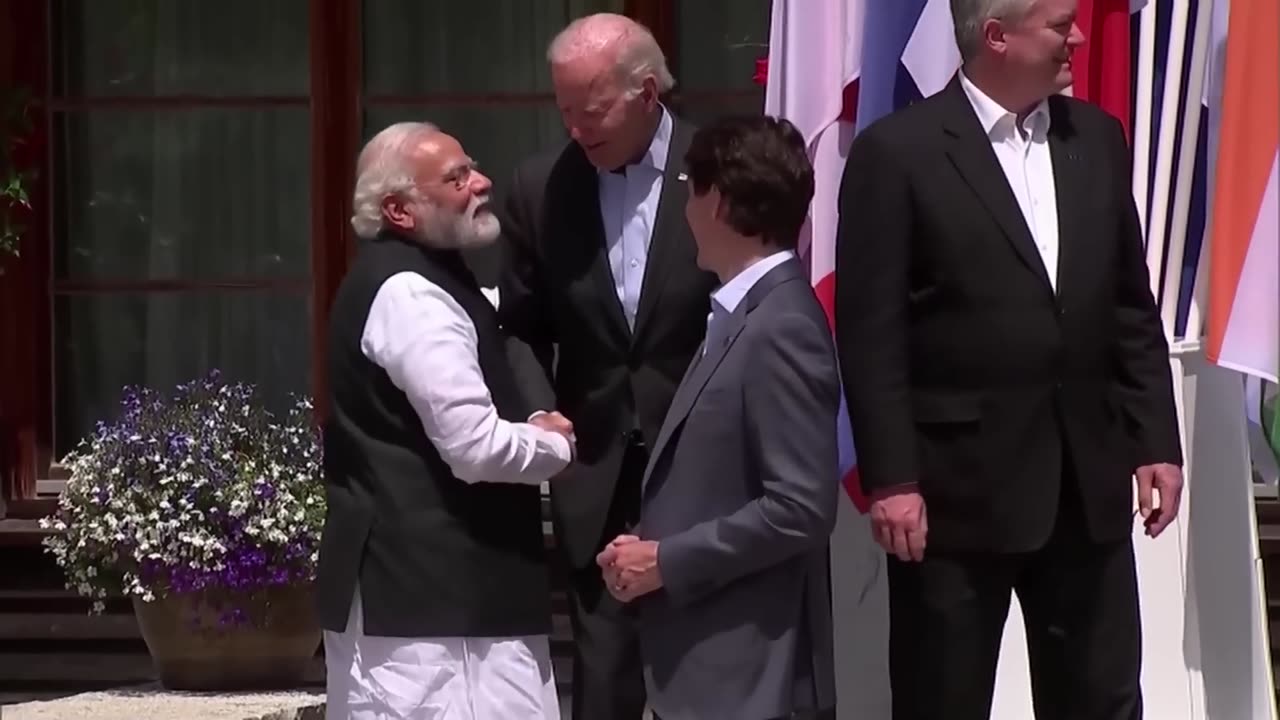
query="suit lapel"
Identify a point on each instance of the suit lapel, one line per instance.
(704, 364)
(669, 230)
(1071, 191)
(970, 151)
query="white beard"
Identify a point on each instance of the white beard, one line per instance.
(473, 227)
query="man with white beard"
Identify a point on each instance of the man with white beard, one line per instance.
(432, 586)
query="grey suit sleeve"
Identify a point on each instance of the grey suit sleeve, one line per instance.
(791, 398)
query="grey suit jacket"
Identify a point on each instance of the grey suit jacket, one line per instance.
(741, 494)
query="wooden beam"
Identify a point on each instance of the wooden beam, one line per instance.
(25, 367)
(660, 17)
(336, 112)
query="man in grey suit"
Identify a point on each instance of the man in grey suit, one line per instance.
(728, 565)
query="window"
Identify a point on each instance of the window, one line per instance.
(180, 139)
(717, 43)
(476, 69)
(195, 161)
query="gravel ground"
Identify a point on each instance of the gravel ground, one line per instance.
(152, 703)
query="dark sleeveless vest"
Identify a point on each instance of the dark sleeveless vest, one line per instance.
(433, 556)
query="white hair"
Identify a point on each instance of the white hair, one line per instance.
(968, 17)
(638, 54)
(384, 168)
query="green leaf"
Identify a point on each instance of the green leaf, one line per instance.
(1271, 423)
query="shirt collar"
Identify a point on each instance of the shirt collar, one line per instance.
(729, 295)
(996, 120)
(656, 155)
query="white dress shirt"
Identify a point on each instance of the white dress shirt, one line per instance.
(628, 207)
(726, 298)
(428, 345)
(1023, 152)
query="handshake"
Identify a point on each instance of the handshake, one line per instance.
(555, 422)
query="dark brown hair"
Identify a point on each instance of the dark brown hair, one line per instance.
(760, 166)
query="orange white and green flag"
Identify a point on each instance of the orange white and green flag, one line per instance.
(1243, 319)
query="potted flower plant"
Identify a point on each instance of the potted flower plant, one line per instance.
(205, 510)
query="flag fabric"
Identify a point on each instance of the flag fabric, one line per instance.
(1101, 66)
(1243, 321)
(812, 68)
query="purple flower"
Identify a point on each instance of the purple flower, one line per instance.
(203, 489)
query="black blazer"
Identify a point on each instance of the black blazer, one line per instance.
(557, 295)
(964, 371)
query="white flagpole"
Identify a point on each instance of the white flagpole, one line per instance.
(1143, 96)
(1186, 167)
(1164, 150)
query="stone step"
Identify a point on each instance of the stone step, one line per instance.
(151, 702)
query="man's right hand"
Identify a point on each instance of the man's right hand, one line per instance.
(899, 521)
(555, 422)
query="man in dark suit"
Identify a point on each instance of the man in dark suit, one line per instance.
(1006, 375)
(601, 278)
(728, 566)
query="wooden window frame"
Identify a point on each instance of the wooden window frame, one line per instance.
(336, 103)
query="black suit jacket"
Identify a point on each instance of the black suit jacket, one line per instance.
(557, 295)
(964, 371)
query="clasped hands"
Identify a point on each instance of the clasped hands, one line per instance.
(630, 567)
(555, 422)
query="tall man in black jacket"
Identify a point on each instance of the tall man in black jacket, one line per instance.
(601, 275)
(1006, 374)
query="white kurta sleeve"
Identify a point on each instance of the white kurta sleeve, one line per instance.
(427, 344)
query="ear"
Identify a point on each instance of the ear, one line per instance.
(649, 91)
(993, 36)
(719, 202)
(396, 211)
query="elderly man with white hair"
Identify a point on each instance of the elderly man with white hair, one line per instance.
(601, 269)
(432, 586)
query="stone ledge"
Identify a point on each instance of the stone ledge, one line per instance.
(154, 703)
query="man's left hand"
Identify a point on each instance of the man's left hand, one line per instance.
(630, 567)
(1166, 481)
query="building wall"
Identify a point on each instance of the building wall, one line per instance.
(195, 161)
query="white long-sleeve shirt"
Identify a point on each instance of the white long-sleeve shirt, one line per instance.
(427, 344)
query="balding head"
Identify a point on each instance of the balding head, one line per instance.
(614, 41)
(608, 72)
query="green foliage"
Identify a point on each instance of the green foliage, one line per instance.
(14, 196)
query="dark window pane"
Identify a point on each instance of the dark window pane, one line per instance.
(701, 112)
(498, 137)
(414, 47)
(181, 47)
(105, 342)
(719, 42)
(193, 193)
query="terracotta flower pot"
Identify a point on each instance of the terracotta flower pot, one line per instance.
(196, 647)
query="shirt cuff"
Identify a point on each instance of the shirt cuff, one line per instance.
(561, 446)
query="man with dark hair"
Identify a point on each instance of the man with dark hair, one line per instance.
(1007, 375)
(728, 565)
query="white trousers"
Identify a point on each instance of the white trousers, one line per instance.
(451, 678)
